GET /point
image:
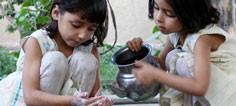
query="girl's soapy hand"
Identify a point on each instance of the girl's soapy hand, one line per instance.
(144, 73)
(81, 100)
(106, 101)
(135, 44)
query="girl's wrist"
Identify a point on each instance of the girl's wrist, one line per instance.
(158, 74)
(76, 101)
(71, 99)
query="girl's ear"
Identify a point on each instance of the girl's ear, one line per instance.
(55, 12)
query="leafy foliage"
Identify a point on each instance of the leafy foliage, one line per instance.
(155, 29)
(30, 15)
(26, 15)
(156, 36)
(7, 62)
(108, 70)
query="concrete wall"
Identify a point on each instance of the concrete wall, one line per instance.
(9, 40)
(132, 20)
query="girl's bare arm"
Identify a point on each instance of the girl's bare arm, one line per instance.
(197, 85)
(97, 84)
(31, 78)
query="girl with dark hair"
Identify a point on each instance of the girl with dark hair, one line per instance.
(59, 64)
(199, 57)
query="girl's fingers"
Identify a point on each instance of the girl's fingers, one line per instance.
(139, 41)
(96, 103)
(107, 101)
(138, 64)
(137, 77)
(137, 71)
(77, 102)
(135, 44)
(93, 100)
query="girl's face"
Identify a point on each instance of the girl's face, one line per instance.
(165, 18)
(74, 30)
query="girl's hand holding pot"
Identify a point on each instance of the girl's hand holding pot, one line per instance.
(135, 44)
(144, 72)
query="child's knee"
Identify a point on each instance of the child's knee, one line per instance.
(84, 67)
(53, 71)
(53, 56)
(85, 61)
(54, 62)
(170, 55)
(182, 67)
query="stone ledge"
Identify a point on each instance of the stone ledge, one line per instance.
(128, 102)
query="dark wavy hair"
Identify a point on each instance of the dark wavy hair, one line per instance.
(94, 11)
(193, 14)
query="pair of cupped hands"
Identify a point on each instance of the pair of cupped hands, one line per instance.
(98, 100)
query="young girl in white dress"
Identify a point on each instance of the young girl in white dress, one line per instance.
(198, 60)
(59, 64)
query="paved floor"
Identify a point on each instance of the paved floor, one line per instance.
(138, 105)
(128, 102)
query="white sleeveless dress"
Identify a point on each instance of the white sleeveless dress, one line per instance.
(222, 88)
(11, 93)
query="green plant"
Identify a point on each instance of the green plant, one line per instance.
(25, 16)
(7, 62)
(156, 36)
(108, 70)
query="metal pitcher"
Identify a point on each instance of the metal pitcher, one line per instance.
(126, 85)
